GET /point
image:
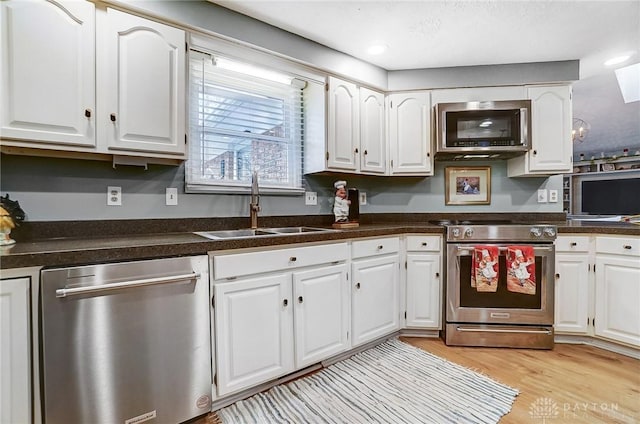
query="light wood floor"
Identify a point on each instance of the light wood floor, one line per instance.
(569, 384)
(577, 383)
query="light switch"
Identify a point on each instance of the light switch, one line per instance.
(542, 195)
(171, 196)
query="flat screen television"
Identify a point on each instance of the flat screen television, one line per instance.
(611, 197)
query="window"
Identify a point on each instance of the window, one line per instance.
(243, 119)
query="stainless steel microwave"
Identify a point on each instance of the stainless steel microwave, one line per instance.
(483, 130)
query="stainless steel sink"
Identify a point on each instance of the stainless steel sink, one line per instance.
(298, 230)
(244, 233)
(227, 234)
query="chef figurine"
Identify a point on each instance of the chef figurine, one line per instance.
(341, 202)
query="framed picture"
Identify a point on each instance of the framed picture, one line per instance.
(467, 185)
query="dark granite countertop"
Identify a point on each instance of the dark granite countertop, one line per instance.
(65, 243)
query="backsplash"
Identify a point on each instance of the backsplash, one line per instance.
(52, 189)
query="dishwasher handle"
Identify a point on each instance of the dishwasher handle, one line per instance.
(125, 284)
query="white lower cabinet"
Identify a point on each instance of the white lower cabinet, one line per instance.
(253, 331)
(375, 289)
(424, 284)
(321, 313)
(572, 285)
(617, 293)
(271, 323)
(15, 365)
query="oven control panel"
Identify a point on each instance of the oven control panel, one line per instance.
(512, 232)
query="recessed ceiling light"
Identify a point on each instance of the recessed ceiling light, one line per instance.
(377, 49)
(616, 60)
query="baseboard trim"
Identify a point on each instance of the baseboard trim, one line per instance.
(599, 343)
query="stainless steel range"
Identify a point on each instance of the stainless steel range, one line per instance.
(499, 284)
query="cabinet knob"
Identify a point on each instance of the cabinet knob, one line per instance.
(113, 117)
(356, 150)
(557, 275)
(357, 285)
(437, 275)
(574, 244)
(293, 259)
(627, 246)
(365, 152)
(285, 302)
(300, 299)
(424, 243)
(87, 113)
(535, 152)
(380, 247)
(428, 154)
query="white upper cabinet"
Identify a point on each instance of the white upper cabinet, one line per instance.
(343, 125)
(48, 73)
(142, 85)
(356, 134)
(551, 146)
(373, 137)
(410, 133)
(78, 79)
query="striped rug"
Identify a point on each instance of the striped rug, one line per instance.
(391, 383)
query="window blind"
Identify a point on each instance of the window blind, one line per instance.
(242, 121)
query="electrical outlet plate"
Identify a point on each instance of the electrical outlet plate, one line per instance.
(310, 198)
(553, 196)
(171, 196)
(542, 195)
(114, 196)
(363, 198)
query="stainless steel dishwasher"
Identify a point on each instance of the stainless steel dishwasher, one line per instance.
(126, 342)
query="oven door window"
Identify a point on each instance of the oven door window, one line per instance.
(502, 298)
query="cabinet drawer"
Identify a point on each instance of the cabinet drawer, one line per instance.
(373, 247)
(423, 243)
(618, 245)
(239, 264)
(572, 244)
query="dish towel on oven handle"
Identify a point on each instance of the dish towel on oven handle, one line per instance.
(484, 272)
(521, 269)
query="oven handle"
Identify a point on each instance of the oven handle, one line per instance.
(505, 248)
(503, 330)
(125, 284)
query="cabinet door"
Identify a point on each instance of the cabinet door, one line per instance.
(253, 331)
(551, 145)
(15, 366)
(373, 138)
(572, 293)
(410, 134)
(423, 290)
(143, 85)
(617, 297)
(343, 133)
(374, 298)
(48, 72)
(321, 318)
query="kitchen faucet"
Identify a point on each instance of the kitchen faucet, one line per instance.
(254, 206)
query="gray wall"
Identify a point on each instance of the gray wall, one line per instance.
(63, 189)
(51, 189)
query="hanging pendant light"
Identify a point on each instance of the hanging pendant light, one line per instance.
(580, 129)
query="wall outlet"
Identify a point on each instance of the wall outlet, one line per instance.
(553, 196)
(363, 198)
(310, 198)
(114, 196)
(171, 196)
(542, 195)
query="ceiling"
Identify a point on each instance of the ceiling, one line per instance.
(445, 33)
